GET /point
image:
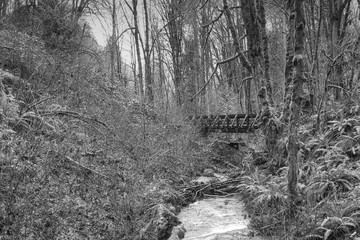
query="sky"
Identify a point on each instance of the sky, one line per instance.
(100, 29)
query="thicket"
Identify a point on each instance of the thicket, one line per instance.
(328, 198)
(78, 158)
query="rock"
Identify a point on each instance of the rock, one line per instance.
(161, 224)
(178, 233)
(208, 173)
(204, 180)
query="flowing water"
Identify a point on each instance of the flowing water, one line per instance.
(216, 219)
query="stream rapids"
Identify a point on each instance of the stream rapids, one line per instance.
(220, 218)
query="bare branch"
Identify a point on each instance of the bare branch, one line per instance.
(213, 73)
(203, 5)
(215, 20)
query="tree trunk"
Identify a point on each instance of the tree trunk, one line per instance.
(245, 62)
(289, 66)
(161, 82)
(296, 100)
(265, 50)
(204, 54)
(175, 40)
(147, 56)
(338, 22)
(113, 43)
(137, 46)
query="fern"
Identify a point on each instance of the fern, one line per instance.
(330, 183)
(313, 237)
(319, 190)
(334, 228)
(263, 192)
(331, 157)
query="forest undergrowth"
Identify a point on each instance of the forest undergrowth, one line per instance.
(72, 174)
(327, 205)
(79, 159)
(95, 172)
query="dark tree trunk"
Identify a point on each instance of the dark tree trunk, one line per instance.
(296, 99)
(265, 50)
(289, 67)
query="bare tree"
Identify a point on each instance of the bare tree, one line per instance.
(172, 14)
(147, 57)
(136, 34)
(113, 44)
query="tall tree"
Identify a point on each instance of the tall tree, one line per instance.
(245, 62)
(147, 57)
(173, 15)
(289, 65)
(113, 43)
(137, 39)
(339, 13)
(265, 51)
(297, 93)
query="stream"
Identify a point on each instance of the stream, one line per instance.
(220, 218)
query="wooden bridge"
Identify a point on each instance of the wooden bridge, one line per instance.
(230, 123)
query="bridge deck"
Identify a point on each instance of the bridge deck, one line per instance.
(230, 123)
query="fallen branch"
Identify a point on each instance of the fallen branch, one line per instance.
(224, 188)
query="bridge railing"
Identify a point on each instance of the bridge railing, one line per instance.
(231, 123)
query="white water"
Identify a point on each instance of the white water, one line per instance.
(215, 219)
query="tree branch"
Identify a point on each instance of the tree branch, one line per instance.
(215, 20)
(213, 73)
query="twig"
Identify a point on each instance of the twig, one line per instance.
(333, 60)
(37, 103)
